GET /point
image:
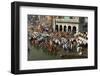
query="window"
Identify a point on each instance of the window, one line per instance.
(56, 28)
(60, 27)
(71, 17)
(65, 28)
(74, 29)
(69, 28)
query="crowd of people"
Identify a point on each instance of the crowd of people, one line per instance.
(83, 35)
(57, 41)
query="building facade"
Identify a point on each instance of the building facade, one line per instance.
(66, 24)
(70, 24)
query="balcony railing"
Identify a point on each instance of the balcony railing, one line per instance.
(68, 20)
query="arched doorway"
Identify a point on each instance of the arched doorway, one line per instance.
(69, 28)
(60, 27)
(74, 29)
(56, 28)
(65, 28)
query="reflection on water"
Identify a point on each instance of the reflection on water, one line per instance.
(37, 53)
(40, 54)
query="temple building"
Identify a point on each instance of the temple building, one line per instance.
(69, 24)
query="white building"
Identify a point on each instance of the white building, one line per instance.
(66, 24)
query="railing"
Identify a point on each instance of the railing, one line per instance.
(68, 20)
